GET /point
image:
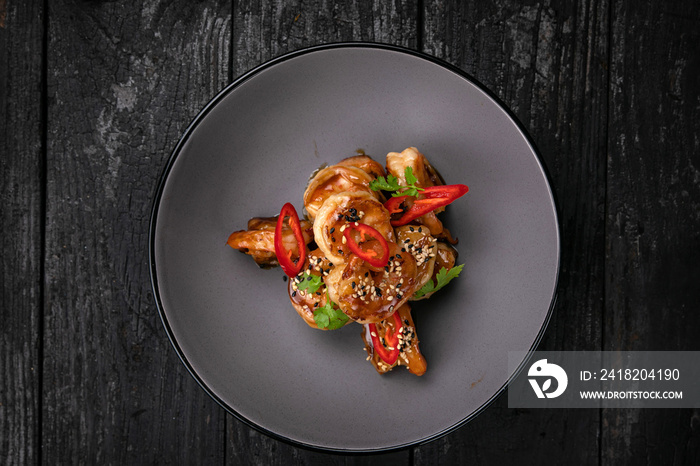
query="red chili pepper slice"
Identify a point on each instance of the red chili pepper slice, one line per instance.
(391, 339)
(367, 233)
(393, 205)
(433, 198)
(284, 257)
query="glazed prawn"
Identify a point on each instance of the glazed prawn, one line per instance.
(304, 301)
(426, 176)
(364, 163)
(397, 162)
(258, 241)
(445, 257)
(416, 240)
(409, 352)
(332, 180)
(341, 209)
(366, 294)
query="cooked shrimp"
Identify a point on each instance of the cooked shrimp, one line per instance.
(409, 353)
(342, 208)
(416, 240)
(367, 295)
(364, 163)
(306, 302)
(258, 240)
(332, 180)
(445, 257)
(426, 176)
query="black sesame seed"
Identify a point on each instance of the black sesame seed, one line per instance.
(284, 278)
(399, 256)
(330, 264)
(353, 285)
(420, 230)
(294, 293)
(309, 278)
(379, 292)
(316, 304)
(403, 249)
(411, 228)
(332, 229)
(333, 238)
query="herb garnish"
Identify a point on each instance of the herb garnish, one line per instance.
(328, 317)
(444, 277)
(310, 282)
(391, 184)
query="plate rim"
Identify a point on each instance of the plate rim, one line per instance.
(172, 157)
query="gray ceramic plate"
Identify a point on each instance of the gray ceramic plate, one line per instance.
(252, 149)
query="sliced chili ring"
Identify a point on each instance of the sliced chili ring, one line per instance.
(433, 198)
(284, 256)
(393, 205)
(367, 234)
(389, 356)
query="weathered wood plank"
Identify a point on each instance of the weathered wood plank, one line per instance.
(263, 30)
(21, 172)
(653, 214)
(124, 80)
(547, 61)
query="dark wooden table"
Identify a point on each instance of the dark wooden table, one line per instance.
(94, 95)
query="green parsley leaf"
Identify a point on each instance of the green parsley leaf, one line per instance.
(310, 282)
(443, 277)
(410, 177)
(390, 183)
(328, 317)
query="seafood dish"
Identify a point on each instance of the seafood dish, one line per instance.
(369, 243)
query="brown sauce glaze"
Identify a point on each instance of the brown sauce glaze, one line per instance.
(409, 352)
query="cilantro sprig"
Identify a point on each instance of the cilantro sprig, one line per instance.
(443, 277)
(391, 184)
(328, 317)
(310, 282)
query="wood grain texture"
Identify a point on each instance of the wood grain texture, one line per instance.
(548, 62)
(267, 29)
(653, 214)
(124, 80)
(21, 187)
